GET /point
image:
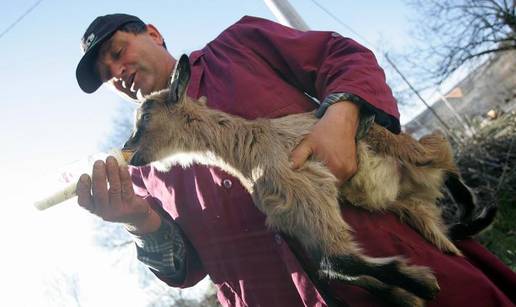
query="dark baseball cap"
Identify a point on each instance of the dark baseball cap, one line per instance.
(100, 30)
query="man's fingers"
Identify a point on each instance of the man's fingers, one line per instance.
(84, 198)
(126, 184)
(113, 176)
(300, 154)
(99, 186)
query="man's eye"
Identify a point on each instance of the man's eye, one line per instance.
(117, 54)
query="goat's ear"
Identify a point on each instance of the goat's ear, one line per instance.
(180, 79)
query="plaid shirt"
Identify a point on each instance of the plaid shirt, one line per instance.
(164, 250)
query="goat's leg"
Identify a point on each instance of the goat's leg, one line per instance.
(392, 271)
(394, 296)
(376, 186)
(311, 267)
(309, 211)
(304, 204)
(477, 224)
(425, 217)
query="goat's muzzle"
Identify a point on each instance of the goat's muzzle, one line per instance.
(132, 157)
(137, 160)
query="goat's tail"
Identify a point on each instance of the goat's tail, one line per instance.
(400, 146)
(439, 152)
(432, 150)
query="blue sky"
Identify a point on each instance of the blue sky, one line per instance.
(48, 122)
(47, 117)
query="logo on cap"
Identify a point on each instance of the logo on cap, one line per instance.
(88, 41)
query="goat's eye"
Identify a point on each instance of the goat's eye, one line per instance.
(146, 117)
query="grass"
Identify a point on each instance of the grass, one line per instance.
(500, 238)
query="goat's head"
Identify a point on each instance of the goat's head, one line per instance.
(157, 121)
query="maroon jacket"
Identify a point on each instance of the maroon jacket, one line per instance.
(257, 68)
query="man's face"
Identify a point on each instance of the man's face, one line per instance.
(135, 62)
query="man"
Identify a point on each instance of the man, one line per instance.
(196, 221)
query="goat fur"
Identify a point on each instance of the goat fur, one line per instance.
(396, 173)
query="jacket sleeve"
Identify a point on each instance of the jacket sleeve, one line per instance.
(320, 64)
(167, 252)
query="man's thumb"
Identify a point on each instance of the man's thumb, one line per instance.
(300, 154)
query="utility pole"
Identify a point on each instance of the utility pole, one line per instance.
(286, 14)
(443, 123)
(417, 93)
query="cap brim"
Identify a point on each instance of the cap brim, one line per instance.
(86, 74)
(87, 77)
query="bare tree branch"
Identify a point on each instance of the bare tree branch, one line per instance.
(455, 32)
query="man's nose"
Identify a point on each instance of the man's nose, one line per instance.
(117, 70)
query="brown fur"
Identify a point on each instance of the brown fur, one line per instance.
(396, 173)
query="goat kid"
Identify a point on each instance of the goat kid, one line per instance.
(396, 173)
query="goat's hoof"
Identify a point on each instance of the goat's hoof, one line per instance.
(477, 224)
(391, 271)
(393, 296)
(420, 280)
(395, 271)
(403, 298)
(450, 248)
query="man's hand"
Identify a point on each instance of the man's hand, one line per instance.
(332, 141)
(116, 203)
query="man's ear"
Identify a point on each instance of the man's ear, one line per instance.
(180, 79)
(155, 35)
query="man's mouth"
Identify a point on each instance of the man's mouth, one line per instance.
(131, 80)
(129, 83)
